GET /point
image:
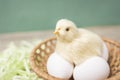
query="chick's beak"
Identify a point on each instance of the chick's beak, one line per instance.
(56, 32)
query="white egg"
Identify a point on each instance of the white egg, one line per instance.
(105, 53)
(95, 68)
(58, 67)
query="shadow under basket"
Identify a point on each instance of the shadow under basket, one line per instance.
(42, 51)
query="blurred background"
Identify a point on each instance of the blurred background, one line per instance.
(34, 15)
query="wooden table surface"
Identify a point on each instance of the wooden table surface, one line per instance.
(112, 32)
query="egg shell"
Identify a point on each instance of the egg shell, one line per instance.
(59, 67)
(95, 68)
(105, 53)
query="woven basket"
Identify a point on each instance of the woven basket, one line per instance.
(42, 51)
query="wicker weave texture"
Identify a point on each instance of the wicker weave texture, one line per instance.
(42, 51)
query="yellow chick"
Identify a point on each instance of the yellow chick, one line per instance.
(76, 44)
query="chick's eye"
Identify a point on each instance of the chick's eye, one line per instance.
(67, 29)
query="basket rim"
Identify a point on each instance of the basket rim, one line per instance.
(117, 43)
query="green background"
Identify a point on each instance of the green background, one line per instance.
(32, 15)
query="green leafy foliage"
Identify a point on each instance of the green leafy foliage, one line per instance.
(14, 62)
